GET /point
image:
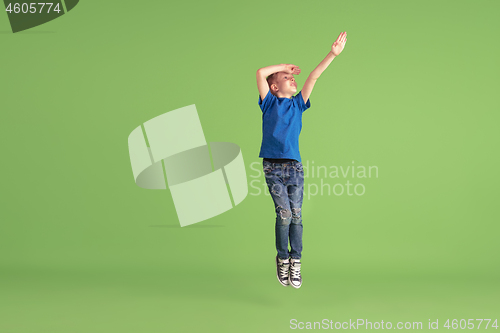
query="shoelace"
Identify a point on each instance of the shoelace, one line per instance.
(295, 271)
(284, 270)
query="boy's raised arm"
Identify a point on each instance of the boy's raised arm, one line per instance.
(337, 47)
(263, 73)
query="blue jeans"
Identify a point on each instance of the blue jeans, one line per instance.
(286, 186)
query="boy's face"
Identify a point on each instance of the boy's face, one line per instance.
(285, 84)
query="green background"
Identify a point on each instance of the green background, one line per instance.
(83, 249)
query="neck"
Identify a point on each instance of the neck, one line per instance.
(280, 95)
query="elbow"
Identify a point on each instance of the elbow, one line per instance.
(261, 74)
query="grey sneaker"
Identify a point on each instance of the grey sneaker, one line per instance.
(294, 278)
(282, 266)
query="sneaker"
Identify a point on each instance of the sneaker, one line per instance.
(282, 266)
(294, 278)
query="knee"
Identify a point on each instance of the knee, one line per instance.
(296, 215)
(284, 216)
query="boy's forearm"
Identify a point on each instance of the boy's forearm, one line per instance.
(315, 74)
(266, 71)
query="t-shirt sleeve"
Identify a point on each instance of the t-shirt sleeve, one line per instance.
(267, 102)
(300, 102)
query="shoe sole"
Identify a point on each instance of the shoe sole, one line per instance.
(277, 275)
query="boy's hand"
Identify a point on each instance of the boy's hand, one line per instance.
(291, 69)
(339, 44)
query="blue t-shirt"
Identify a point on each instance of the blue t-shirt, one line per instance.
(281, 125)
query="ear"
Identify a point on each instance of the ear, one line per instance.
(274, 87)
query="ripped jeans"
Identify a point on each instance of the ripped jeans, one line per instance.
(286, 186)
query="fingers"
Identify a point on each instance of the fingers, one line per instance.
(295, 69)
(342, 37)
(292, 69)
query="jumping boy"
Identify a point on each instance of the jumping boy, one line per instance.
(283, 170)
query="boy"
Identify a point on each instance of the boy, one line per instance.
(283, 170)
